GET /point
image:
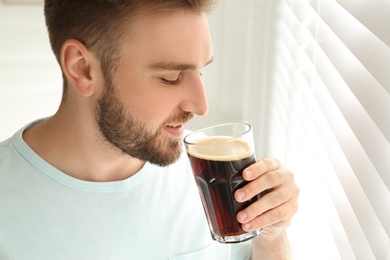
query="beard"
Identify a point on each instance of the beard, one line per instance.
(129, 134)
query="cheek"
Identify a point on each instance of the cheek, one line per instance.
(145, 98)
(156, 109)
(151, 107)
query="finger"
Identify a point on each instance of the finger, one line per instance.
(259, 168)
(281, 214)
(264, 182)
(271, 200)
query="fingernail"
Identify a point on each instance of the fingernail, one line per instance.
(248, 174)
(240, 195)
(242, 216)
(247, 226)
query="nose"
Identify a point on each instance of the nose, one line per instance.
(195, 98)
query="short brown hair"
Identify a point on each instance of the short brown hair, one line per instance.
(97, 23)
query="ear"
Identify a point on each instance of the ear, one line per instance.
(77, 64)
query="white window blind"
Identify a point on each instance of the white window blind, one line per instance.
(325, 110)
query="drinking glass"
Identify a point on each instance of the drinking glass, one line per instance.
(218, 155)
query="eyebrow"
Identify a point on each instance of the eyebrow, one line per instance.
(174, 66)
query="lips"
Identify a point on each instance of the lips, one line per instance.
(176, 130)
(174, 126)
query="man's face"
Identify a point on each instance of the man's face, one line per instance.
(156, 87)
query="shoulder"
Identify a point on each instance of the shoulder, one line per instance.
(5, 145)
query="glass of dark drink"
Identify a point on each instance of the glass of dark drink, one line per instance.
(218, 155)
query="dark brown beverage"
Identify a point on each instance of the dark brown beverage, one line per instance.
(218, 177)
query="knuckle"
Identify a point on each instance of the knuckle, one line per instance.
(258, 222)
(276, 214)
(277, 197)
(269, 178)
(271, 163)
(295, 203)
(251, 189)
(290, 176)
(254, 210)
(277, 163)
(274, 178)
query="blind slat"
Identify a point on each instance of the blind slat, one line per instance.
(373, 14)
(366, 47)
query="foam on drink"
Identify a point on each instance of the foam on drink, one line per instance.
(220, 149)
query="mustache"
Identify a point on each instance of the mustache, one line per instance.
(182, 118)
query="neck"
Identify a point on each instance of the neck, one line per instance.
(74, 146)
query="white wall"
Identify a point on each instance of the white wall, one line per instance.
(31, 83)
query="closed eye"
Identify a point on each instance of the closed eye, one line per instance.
(170, 82)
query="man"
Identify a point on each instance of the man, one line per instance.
(105, 177)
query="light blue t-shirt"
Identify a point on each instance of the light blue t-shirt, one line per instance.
(155, 214)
